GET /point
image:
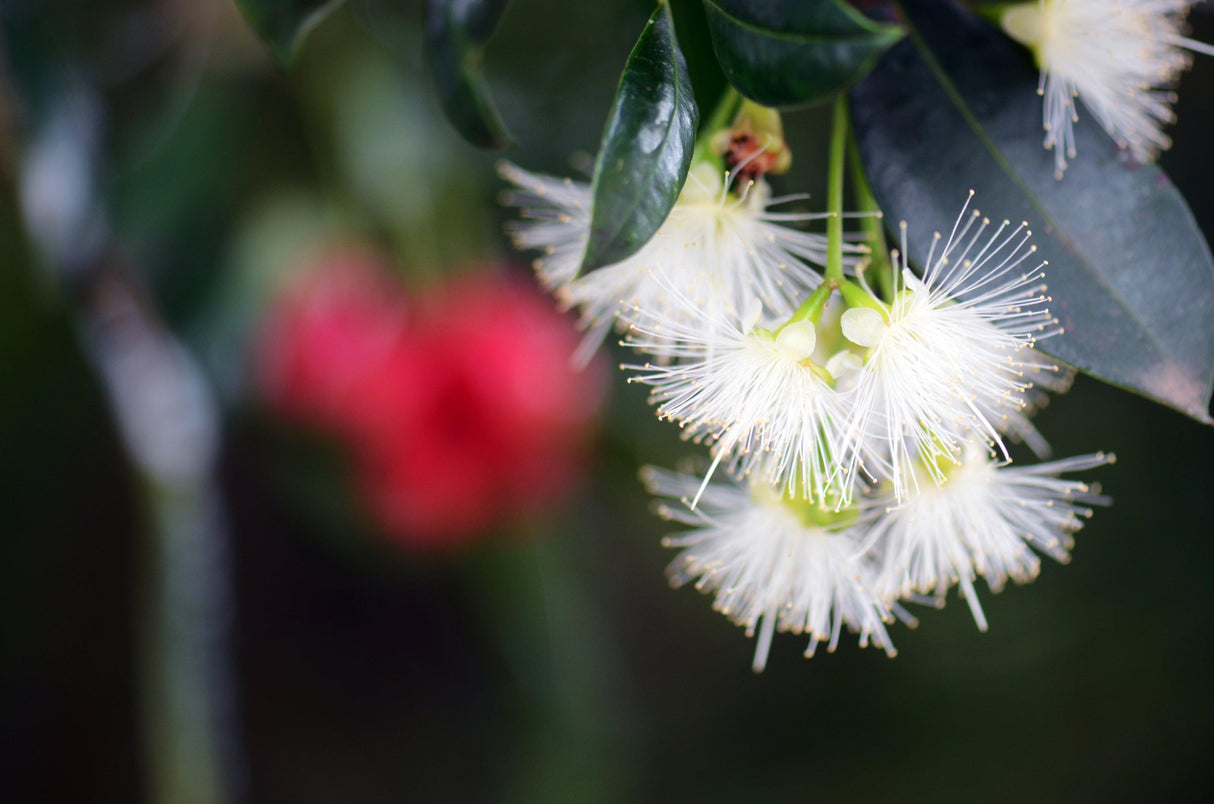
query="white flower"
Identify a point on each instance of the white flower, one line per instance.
(1118, 56)
(1013, 420)
(716, 247)
(556, 221)
(755, 396)
(952, 356)
(769, 568)
(981, 521)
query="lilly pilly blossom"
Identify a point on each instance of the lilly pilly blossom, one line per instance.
(720, 244)
(981, 521)
(771, 564)
(952, 356)
(754, 393)
(1120, 57)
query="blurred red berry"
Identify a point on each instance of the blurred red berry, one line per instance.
(465, 416)
(329, 331)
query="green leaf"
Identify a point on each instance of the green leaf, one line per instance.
(794, 52)
(647, 146)
(284, 24)
(956, 107)
(456, 31)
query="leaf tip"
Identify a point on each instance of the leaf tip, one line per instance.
(285, 28)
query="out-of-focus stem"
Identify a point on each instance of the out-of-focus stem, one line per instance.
(722, 117)
(170, 426)
(724, 112)
(834, 192)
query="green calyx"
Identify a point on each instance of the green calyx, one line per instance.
(941, 462)
(812, 308)
(829, 334)
(764, 334)
(819, 514)
(1023, 22)
(856, 296)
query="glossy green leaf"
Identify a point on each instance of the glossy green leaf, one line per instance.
(456, 32)
(794, 52)
(955, 107)
(284, 24)
(647, 146)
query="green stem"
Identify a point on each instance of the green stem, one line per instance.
(834, 192)
(856, 296)
(722, 117)
(873, 225)
(183, 714)
(810, 309)
(725, 111)
(558, 653)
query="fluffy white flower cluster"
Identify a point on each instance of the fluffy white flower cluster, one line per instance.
(781, 564)
(858, 437)
(1120, 57)
(724, 240)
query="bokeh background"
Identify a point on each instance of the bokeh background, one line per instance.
(547, 659)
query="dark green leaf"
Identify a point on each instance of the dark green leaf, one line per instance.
(955, 107)
(284, 24)
(647, 146)
(456, 31)
(794, 52)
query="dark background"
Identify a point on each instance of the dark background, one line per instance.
(561, 666)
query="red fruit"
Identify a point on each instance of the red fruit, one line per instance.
(467, 416)
(518, 351)
(329, 332)
(488, 421)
